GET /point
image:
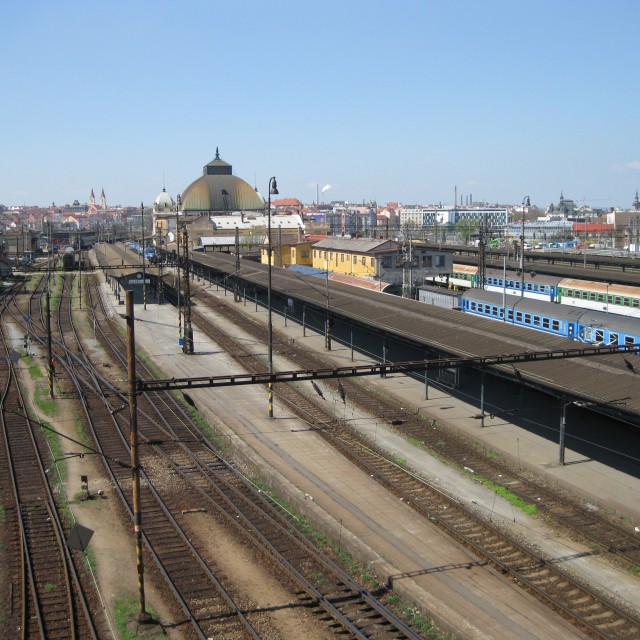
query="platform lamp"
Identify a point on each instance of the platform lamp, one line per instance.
(273, 190)
(525, 203)
(178, 205)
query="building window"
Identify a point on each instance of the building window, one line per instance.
(342, 257)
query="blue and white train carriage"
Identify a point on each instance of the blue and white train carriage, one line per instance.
(584, 325)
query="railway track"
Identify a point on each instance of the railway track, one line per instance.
(610, 536)
(178, 445)
(589, 610)
(47, 596)
(206, 602)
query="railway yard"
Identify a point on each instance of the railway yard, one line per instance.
(361, 509)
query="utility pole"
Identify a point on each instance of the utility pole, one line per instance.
(178, 203)
(135, 460)
(159, 263)
(187, 346)
(525, 203)
(236, 284)
(49, 351)
(144, 270)
(482, 254)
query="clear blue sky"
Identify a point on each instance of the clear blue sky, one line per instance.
(397, 101)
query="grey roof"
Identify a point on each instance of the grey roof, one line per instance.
(356, 245)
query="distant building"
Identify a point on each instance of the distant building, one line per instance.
(287, 251)
(384, 260)
(427, 217)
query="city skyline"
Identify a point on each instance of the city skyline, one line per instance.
(499, 100)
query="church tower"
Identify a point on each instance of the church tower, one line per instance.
(103, 201)
(92, 199)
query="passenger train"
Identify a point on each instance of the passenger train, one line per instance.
(584, 294)
(583, 325)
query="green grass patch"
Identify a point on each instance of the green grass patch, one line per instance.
(634, 568)
(400, 461)
(415, 618)
(45, 403)
(35, 371)
(503, 492)
(49, 587)
(127, 609)
(57, 453)
(80, 431)
(90, 557)
(415, 442)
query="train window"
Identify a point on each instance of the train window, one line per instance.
(614, 339)
(555, 325)
(617, 300)
(501, 314)
(536, 321)
(545, 323)
(635, 302)
(629, 341)
(600, 297)
(598, 335)
(626, 302)
(510, 314)
(518, 316)
(527, 318)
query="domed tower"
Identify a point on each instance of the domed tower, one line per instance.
(163, 203)
(219, 191)
(164, 213)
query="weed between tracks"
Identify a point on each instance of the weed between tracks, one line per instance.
(526, 507)
(126, 610)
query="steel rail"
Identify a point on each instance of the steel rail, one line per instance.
(113, 469)
(240, 520)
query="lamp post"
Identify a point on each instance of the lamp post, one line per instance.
(178, 203)
(525, 203)
(273, 190)
(144, 269)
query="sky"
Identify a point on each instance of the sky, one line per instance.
(399, 101)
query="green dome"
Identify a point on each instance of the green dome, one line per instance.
(219, 190)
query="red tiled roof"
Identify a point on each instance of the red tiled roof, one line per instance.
(286, 202)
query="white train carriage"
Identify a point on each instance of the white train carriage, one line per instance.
(620, 299)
